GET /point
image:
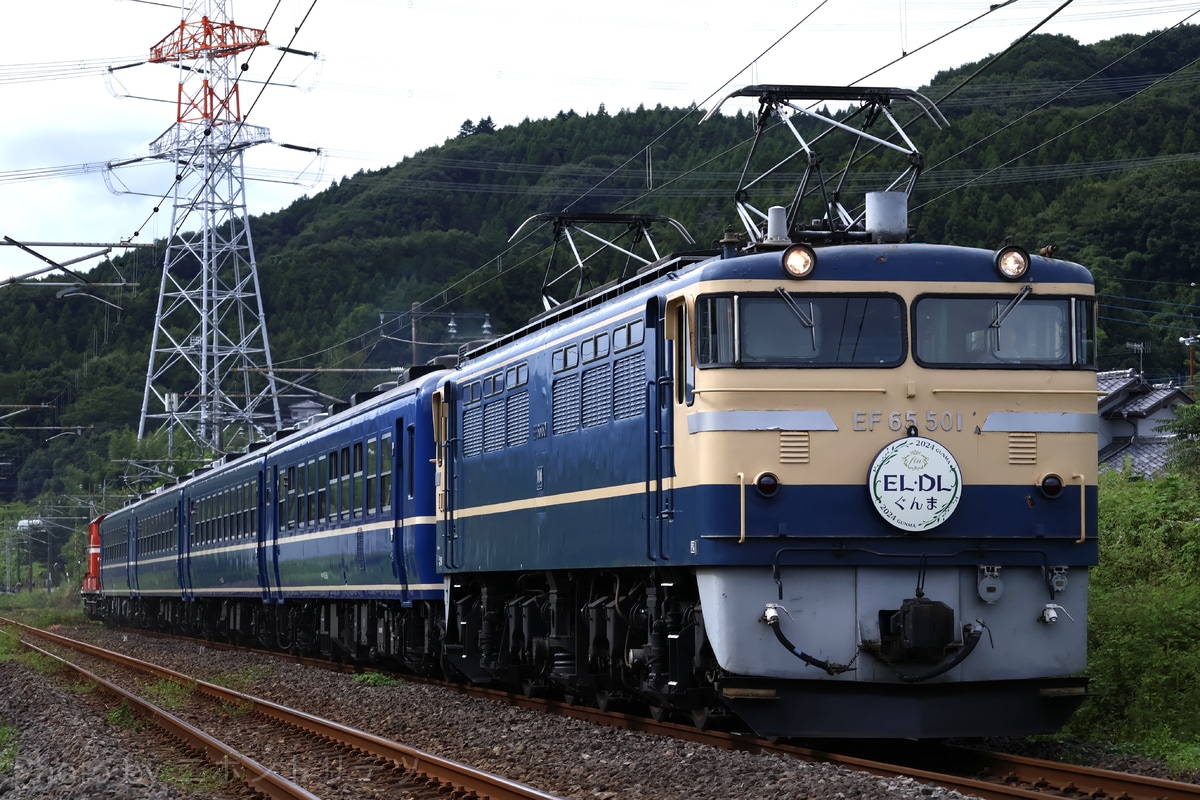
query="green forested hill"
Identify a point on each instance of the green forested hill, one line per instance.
(1105, 169)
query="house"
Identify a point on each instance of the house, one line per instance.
(1130, 411)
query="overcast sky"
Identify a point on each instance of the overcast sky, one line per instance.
(393, 77)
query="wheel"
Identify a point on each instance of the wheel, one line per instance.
(702, 717)
(659, 713)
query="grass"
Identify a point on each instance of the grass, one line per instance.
(60, 607)
(10, 644)
(123, 717)
(376, 679)
(243, 678)
(8, 749)
(183, 776)
(169, 694)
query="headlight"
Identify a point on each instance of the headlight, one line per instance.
(799, 260)
(1012, 262)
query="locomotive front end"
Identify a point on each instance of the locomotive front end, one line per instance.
(886, 459)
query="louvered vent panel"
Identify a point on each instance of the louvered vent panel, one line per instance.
(494, 428)
(472, 434)
(597, 396)
(629, 386)
(566, 404)
(793, 447)
(1022, 448)
(518, 419)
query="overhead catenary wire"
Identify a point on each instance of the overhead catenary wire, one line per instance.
(945, 178)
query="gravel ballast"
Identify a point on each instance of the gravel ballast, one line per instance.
(66, 748)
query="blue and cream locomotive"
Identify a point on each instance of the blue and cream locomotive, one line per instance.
(824, 480)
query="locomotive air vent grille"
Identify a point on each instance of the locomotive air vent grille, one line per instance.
(793, 447)
(1022, 448)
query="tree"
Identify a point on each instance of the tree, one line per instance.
(1184, 453)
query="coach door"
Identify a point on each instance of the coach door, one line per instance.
(400, 529)
(268, 540)
(183, 551)
(187, 509)
(131, 531)
(266, 526)
(660, 436)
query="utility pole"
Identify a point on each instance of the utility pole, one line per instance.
(210, 321)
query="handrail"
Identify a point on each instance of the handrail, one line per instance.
(742, 498)
(1082, 506)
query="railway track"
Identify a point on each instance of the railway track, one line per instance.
(986, 774)
(263, 743)
(970, 772)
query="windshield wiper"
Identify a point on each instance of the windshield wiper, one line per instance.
(1026, 290)
(805, 319)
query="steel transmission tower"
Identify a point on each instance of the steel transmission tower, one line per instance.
(210, 330)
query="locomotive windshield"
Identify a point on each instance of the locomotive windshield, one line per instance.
(789, 329)
(1005, 331)
(786, 329)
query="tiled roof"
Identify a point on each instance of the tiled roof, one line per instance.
(1115, 380)
(1147, 455)
(1141, 405)
(1125, 393)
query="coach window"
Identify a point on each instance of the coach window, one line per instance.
(311, 491)
(322, 488)
(281, 501)
(253, 508)
(385, 471)
(244, 510)
(372, 468)
(359, 485)
(344, 500)
(301, 508)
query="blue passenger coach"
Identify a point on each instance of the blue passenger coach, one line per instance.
(322, 539)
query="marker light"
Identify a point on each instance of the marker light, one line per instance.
(1012, 262)
(799, 261)
(1051, 485)
(767, 484)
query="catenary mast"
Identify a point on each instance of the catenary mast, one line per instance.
(210, 330)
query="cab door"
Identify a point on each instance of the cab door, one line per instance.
(449, 556)
(660, 436)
